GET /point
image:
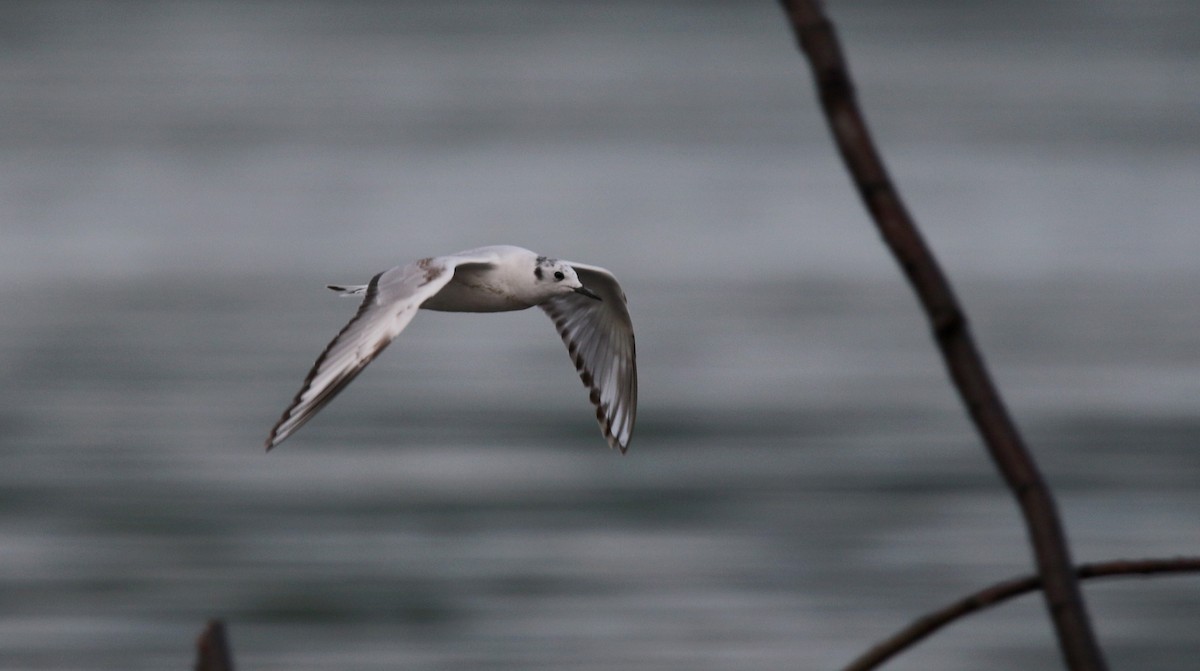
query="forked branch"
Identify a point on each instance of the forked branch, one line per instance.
(1000, 592)
(817, 40)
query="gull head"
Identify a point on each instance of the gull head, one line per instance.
(558, 277)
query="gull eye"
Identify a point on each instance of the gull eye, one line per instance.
(558, 275)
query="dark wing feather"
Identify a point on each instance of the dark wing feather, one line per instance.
(599, 338)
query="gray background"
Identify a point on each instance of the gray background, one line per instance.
(179, 180)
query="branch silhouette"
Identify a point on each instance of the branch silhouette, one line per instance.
(1000, 592)
(818, 41)
(212, 648)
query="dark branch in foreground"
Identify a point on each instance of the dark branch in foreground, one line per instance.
(1003, 591)
(213, 654)
(212, 649)
(816, 38)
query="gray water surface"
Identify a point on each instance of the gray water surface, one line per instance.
(179, 180)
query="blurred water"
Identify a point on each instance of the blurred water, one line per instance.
(178, 181)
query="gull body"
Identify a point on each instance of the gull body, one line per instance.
(585, 303)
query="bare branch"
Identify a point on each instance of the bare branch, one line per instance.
(1000, 592)
(816, 38)
(212, 649)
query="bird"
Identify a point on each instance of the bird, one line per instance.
(586, 304)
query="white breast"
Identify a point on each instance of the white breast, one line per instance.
(477, 290)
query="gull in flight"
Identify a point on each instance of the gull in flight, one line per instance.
(585, 302)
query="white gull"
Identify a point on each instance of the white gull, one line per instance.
(585, 302)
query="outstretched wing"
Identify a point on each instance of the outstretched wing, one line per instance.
(392, 299)
(599, 337)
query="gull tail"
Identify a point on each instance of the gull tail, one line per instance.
(356, 290)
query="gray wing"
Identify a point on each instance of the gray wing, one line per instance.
(392, 299)
(599, 337)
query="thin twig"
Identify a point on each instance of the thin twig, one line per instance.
(212, 648)
(995, 594)
(816, 38)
